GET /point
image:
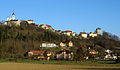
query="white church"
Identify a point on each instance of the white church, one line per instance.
(13, 21)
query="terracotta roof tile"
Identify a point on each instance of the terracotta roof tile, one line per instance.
(83, 33)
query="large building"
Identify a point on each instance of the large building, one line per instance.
(12, 20)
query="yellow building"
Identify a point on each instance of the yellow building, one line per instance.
(70, 44)
(62, 44)
(67, 44)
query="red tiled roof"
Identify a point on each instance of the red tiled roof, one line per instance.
(83, 33)
(92, 33)
(39, 52)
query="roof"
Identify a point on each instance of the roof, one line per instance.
(67, 31)
(83, 33)
(98, 28)
(46, 25)
(30, 20)
(92, 33)
(36, 52)
(13, 13)
(40, 52)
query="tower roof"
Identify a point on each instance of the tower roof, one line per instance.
(98, 28)
(13, 13)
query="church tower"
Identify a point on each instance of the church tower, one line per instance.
(13, 16)
(98, 31)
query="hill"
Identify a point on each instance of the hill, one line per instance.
(15, 41)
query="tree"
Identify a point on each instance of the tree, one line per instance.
(79, 54)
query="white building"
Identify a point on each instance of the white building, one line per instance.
(12, 20)
(48, 45)
(13, 16)
(92, 34)
(108, 51)
(69, 33)
(108, 55)
(30, 21)
(83, 34)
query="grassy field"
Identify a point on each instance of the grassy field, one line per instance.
(30, 66)
(25, 64)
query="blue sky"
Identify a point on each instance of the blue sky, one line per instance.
(75, 15)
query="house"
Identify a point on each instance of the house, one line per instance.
(83, 34)
(48, 45)
(108, 51)
(69, 33)
(62, 44)
(47, 27)
(64, 55)
(66, 44)
(30, 21)
(92, 34)
(70, 44)
(93, 52)
(42, 55)
(108, 54)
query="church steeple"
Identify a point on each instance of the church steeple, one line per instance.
(13, 16)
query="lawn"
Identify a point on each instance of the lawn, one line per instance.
(63, 62)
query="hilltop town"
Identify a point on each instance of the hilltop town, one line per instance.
(25, 39)
(13, 21)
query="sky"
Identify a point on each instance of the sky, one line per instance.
(75, 15)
